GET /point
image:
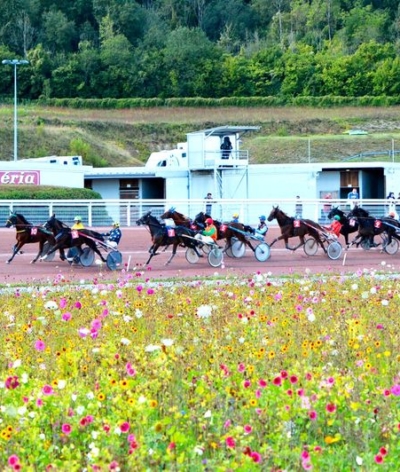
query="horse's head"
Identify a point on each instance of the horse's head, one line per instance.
(12, 220)
(168, 214)
(359, 212)
(274, 213)
(144, 219)
(335, 211)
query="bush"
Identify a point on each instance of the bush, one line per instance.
(44, 192)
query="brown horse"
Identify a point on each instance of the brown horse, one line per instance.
(178, 218)
(292, 227)
(27, 233)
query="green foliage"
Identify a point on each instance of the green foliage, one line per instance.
(44, 192)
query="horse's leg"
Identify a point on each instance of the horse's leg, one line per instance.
(53, 249)
(173, 253)
(41, 244)
(16, 249)
(93, 246)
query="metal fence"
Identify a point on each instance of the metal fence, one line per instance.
(104, 212)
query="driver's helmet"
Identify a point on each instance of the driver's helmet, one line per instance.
(336, 217)
(209, 221)
(262, 218)
(78, 218)
(392, 214)
(116, 224)
(235, 215)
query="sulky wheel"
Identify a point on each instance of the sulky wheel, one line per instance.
(334, 250)
(238, 249)
(262, 252)
(46, 248)
(191, 255)
(114, 260)
(215, 257)
(87, 257)
(310, 247)
(392, 248)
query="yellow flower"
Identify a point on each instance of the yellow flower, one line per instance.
(331, 440)
(101, 397)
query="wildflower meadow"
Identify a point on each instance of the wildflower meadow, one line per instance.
(248, 374)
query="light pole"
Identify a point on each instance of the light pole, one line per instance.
(15, 63)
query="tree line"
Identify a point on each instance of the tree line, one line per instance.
(200, 48)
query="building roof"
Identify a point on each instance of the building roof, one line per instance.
(224, 130)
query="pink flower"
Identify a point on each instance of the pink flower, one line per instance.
(66, 316)
(256, 456)
(113, 466)
(293, 379)
(39, 402)
(150, 291)
(66, 428)
(11, 382)
(246, 384)
(78, 305)
(96, 325)
(241, 367)
(63, 303)
(124, 427)
(277, 381)
(379, 326)
(139, 288)
(230, 442)
(13, 460)
(227, 424)
(383, 451)
(262, 383)
(330, 407)
(312, 415)
(40, 345)
(247, 429)
(378, 459)
(47, 390)
(171, 446)
(284, 374)
(395, 390)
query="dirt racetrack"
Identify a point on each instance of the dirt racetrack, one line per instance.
(134, 248)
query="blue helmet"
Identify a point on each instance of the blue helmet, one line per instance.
(262, 217)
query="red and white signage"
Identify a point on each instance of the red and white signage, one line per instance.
(20, 177)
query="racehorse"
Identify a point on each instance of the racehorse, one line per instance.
(178, 218)
(161, 236)
(349, 225)
(65, 237)
(27, 233)
(369, 227)
(226, 230)
(292, 227)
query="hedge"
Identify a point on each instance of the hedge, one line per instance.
(44, 192)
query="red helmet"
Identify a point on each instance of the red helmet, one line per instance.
(209, 221)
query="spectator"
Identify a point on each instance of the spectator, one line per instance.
(208, 204)
(298, 208)
(392, 201)
(353, 196)
(327, 206)
(226, 148)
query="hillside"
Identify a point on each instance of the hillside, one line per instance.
(127, 137)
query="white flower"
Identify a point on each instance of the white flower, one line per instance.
(311, 316)
(80, 409)
(42, 436)
(17, 363)
(95, 434)
(127, 318)
(61, 384)
(199, 450)
(90, 395)
(51, 305)
(167, 342)
(74, 396)
(22, 410)
(32, 414)
(385, 302)
(151, 348)
(204, 311)
(138, 313)
(241, 340)
(207, 414)
(354, 287)
(359, 460)
(125, 341)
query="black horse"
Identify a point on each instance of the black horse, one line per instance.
(161, 236)
(369, 227)
(349, 225)
(226, 230)
(66, 237)
(292, 227)
(27, 233)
